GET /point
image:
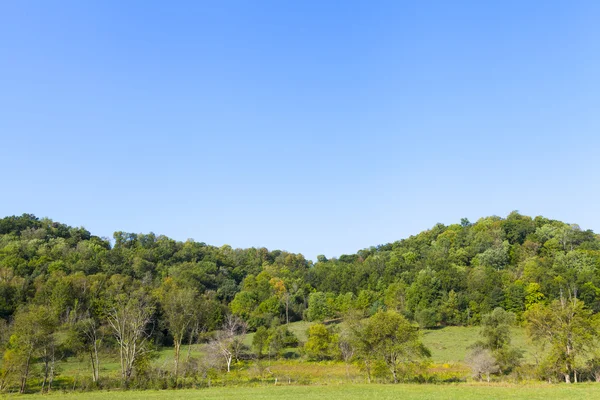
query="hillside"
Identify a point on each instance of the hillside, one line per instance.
(447, 275)
(64, 293)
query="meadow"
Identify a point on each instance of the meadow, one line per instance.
(449, 347)
(347, 392)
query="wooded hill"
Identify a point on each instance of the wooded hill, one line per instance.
(447, 275)
(57, 277)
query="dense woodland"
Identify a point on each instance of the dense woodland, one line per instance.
(67, 293)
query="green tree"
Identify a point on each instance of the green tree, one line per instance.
(321, 342)
(496, 333)
(495, 328)
(178, 306)
(422, 298)
(533, 295)
(32, 336)
(566, 330)
(395, 341)
(129, 316)
(395, 296)
(260, 340)
(319, 307)
(85, 337)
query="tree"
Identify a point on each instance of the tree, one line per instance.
(533, 295)
(564, 328)
(496, 332)
(260, 340)
(87, 336)
(395, 341)
(422, 298)
(358, 337)
(283, 294)
(347, 348)
(32, 334)
(496, 257)
(319, 307)
(495, 328)
(482, 362)
(178, 305)
(86, 325)
(320, 342)
(228, 341)
(129, 318)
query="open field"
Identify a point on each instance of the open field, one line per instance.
(448, 346)
(451, 344)
(349, 392)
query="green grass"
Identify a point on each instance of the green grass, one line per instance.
(448, 345)
(167, 354)
(451, 344)
(349, 392)
(298, 328)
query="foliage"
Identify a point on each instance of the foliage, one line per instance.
(99, 300)
(321, 342)
(566, 330)
(395, 341)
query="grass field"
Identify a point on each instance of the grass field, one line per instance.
(349, 392)
(451, 344)
(449, 347)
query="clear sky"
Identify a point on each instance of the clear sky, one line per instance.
(319, 127)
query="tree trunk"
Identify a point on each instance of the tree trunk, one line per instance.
(4, 376)
(177, 352)
(45, 373)
(287, 307)
(122, 354)
(51, 378)
(368, 369)
(97, 370)
(93, 363)
(347, 370)
(24, 375)
(567, 378)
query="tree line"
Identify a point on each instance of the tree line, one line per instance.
(65, 292)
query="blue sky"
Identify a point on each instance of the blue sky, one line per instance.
(319, 127)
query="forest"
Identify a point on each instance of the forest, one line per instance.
(66, 294)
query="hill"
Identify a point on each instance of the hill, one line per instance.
(77, 288)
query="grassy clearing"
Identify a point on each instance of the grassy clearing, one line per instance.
(451, 344)
(349, 392)
(297, 328)
(448, 346)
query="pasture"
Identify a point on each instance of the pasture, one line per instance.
(347, 392)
